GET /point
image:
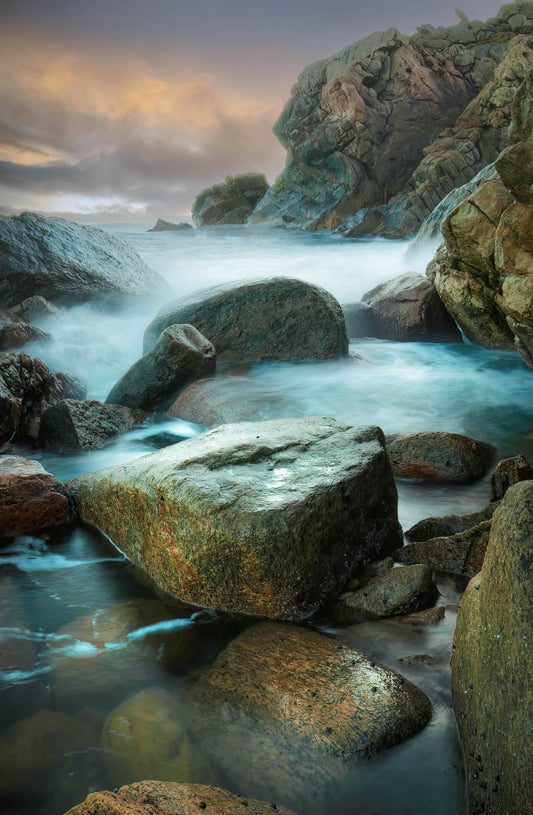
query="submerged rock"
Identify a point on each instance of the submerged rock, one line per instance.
(73, 424)
(231, 202)
(145, 737)
(438, 456)
(30, 498)
(289, 709)
(491, 664)
(69, 263)
(167, 226)
(180, 355)
(275, 319)
(396, 591)
(264, 518)
(408, 309)
(377, 134)
(27, 389)
(168, 797)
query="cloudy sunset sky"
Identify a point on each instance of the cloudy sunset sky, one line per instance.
(126, 107)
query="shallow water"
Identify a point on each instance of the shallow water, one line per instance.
(54, 589)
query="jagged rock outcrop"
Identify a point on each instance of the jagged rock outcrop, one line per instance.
(167, 226)
(265, 518)
(484, 270)
(379, 133)
(231, 202)
(66, 262)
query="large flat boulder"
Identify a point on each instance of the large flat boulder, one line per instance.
(66, 262)
(275, 319)
(170, 798)
(287, 708)
(491, 664)
(180, 355)
(266, 518)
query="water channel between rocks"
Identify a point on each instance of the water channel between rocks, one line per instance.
(55, 588)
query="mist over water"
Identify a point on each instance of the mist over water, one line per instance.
(52, 581)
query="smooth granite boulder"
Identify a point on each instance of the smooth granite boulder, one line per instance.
(66, 262)
(408, 309)
(439, 456)
(170, 798)
(275, 319)
(491, 664)
(231, 202)
(287, 708)
(30, 498)
(180, 355)
(266, 518)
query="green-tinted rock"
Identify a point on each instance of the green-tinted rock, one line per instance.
(275, 319)
(264, 518)
(231, 202)
(491, 664)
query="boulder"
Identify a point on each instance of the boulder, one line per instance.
(509, 471)
(484, 270)
(27, 389)
(428, 616)
(379, 133)
(286, 708)
(225, 399)
(360, 320)
(16, 335)
(266, 518)
(439, 456)
(145, 737)
(408, 309)
(448, 525)
(275, 319)
(169, 798)
(231, 202)
(180, 355)
(462, 553)
(491, 664)
(69, 263)
(167, 226)
(73, 424)
(396, 591)
(30, 498)
(36, 309)
(118, 647)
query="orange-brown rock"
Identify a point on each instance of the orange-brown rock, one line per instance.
(438, 456)
(30, 498)
(169, 798)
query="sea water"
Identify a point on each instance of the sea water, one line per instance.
(49, 582)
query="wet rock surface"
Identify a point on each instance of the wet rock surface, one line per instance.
(462, 553)
(395, 591)
(16, 335)
(181, 354)
(494, 706)
(160, 798)
(438, 456)
(408, 309)
(30, 498)
(238, 517)
(379, 133)
(509, 471)
(343, 708)
(274, 319)
(231, 202)
(73, 424)
(65, 262)
(448, 525)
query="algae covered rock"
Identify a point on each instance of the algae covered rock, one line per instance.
(264, 518)
(274, 319)
(231, 202)
(170, 798)
(286, 708)
(491, 663)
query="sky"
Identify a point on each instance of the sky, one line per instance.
(130, 108)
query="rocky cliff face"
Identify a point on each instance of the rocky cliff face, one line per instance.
(484, 270)
(379, 133)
